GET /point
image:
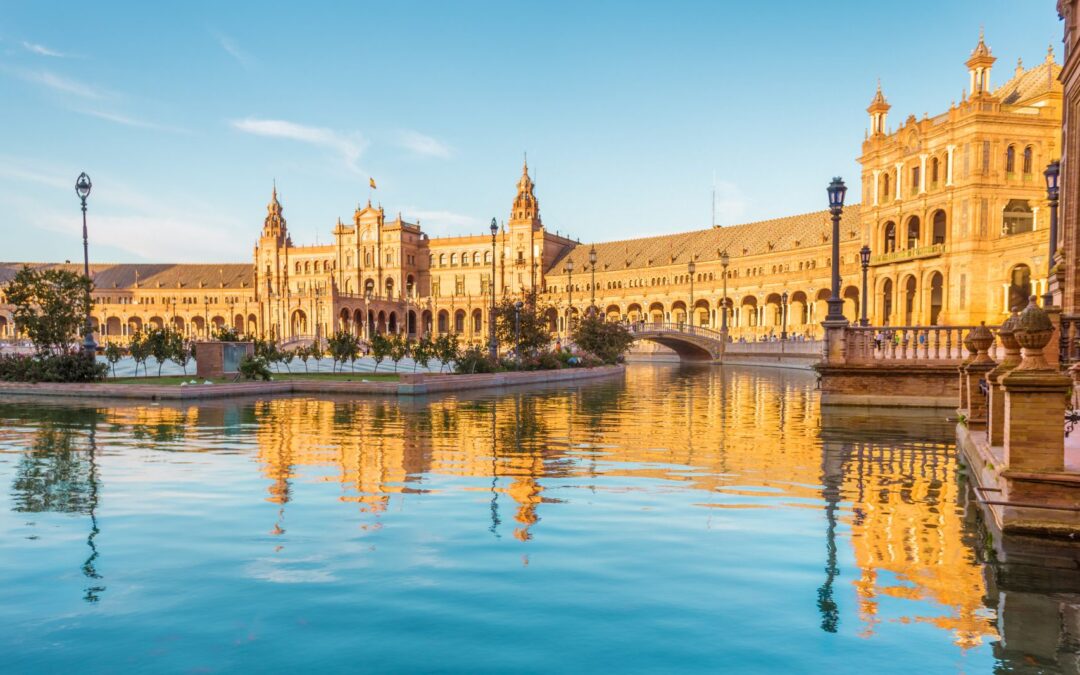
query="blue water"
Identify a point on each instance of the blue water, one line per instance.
(680, 520)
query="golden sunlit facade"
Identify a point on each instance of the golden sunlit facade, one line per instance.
(952, 208)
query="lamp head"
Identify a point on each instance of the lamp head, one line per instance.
(836, 191)
(1053, 170)
(691, 267)
(724, 259)
(82, 186)
(864, 255)
(592, 255)
(570, 265)
(494, 227)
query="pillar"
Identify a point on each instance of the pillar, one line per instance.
(962, 408)
(995, 428)
(899, 180)
(876, 173)
(949, 150)
(982, 339)
(922, 174)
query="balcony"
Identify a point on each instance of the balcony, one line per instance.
(906, 254)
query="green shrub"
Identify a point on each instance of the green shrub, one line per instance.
(51, 368)
(474, 360)
(255, 368)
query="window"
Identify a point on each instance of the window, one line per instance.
(487, 257)
(1019, 287)
(913, 232)
(934, 169)
(1028, 152)
(459, 284)
(442, 260)
(939, 227)
(1010, 159)
(915, 175)
(986, 157)
(890, 237)
(453, 259)
(1018, 217)
(885, 186)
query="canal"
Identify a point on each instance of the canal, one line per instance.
(680, 519)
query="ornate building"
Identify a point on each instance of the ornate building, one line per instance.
(953, 210)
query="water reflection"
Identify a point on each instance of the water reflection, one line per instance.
(860, 518)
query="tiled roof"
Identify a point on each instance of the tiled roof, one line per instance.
(779, 234)
(151, 276)
(1029, 83)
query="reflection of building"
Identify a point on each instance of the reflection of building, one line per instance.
(952, 208)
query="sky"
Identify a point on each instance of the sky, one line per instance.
(632, 113)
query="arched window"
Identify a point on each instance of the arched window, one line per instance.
(886, 300)
(1028, 152)
(885, 186)
(307, 267)
(939, 227)
(934, 168)
(487, 257)
(937, 295)
(913, 232)
(442, 260)
(1010, 159)
(453, 259)
(1017, 217)
(1019, 287)
(298, 267)
(476, 258)
(890, 237)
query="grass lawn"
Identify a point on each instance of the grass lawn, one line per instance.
(337, 377)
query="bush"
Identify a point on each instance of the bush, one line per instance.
(255, 368)
(51, 368)
(608, 340)
(474, 360)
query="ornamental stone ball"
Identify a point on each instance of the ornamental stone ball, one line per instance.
(1007, 332)
(982, 339)
(969, 345)
(1033, 333)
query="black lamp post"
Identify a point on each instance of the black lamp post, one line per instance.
(493, 346)
(724, 260)
(691, 268)
(569, 293)
(783, 315)
(864, 258)
(1052, 172)
(836, 190)
(82, 189)
(517, 330)
(592, 283)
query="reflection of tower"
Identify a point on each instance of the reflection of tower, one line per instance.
(89, 567)
(832, 477)
(494, 529)
(525, 489)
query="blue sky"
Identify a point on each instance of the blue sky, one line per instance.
(184, 113)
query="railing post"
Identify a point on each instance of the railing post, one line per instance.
(996, 427)
(982, 339)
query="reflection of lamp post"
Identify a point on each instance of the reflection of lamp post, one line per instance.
(783, 315)
(864, 258)
(724, 260)
(836, 191)
(1052, 172)
(517, 330)
(691, 268)
(493, 346)
(82, 189)
(592, 269)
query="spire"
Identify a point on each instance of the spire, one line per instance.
(526, 208)
(1019, 67)
(879, 112)
(979, 67)
(1050, 53)
(981, 49)
(274, 224)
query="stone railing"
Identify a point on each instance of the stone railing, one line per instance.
(908, 254)
(687, 329)
(932, 344)
(794, 347)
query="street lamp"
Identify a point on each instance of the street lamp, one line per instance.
(569, 293)
(493, 346)
(82, 189)
(592, 269)
(724, 260)
(517, 330)
(691, 268)
(783, 315)
(836, 191)
(1052, 173)
(864, 258)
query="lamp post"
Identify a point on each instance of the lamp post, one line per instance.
(569, 293)
(493, 346)
(691, 268)
(82, 189)
(783, 315)
(724, 260)
(1052, 172)
(592, 283)
(836, 191)
(517, 330)
(864, 258)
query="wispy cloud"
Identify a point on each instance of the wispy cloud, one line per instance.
(438, 222)
(423, 145)
(42, 50)
(61, 84)
(130, 121)
(348, 145)
(233, 49)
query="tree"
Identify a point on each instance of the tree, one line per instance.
(50, 307)
(304, 353)
(343, 346)
(608, 340)
(223, 334)
(140, 350)
(113, 353)
(380, 349)
(529, 330)
(180, 349)
(287, 355)
(317, 353)
(399, 348)
(159, 343)
(446, 349)
(421, 352)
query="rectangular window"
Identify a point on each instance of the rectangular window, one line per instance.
(963, 290)
(986, 158)
(967, 159)
(436, 288)
(964, 219)
(459, 284)
(984, 216)
(915, 179)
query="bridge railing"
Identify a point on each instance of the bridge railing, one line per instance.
(795, 347)
(662, 326)
(930, 344)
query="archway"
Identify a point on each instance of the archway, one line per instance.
(459, 321)
(410, 322)
(613, 313)
(656, 313)
(634, 313)
(425, 322)
(937, 296)
(157, 322)
(889, 236)
(913, 232)
(444, 321)
(113, 326)
(910, 288)
(1019, 287)
(298, 323)
(678, 312)
(392, 323)
(134, 324)
(380, 322)
(345, 321)
(701, 312)
(886, 301)
(850, 297)
(253, 324)
(238, 324)
(797, 316)
(552, 318)
(477, 322)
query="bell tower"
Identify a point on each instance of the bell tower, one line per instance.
(879, 113)
(523, 248)
(979, 68)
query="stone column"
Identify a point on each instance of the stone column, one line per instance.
(982, 364)
(949, 149)
(1035, 398)
(996, 426)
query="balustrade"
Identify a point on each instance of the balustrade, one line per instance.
(937, 344)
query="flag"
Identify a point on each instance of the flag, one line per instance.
(371, 181)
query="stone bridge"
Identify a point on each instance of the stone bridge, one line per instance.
(691, 343)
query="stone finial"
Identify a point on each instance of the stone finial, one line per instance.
(1033, 332)
(982, 339)
(1007, 333)
(969, 346)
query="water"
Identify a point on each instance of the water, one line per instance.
(680, 520)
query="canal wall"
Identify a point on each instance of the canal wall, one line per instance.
(889, 384)
(409, 384)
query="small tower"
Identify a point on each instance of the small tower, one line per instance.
(879, 112)
(979, 68)
(274, 224)
(526, 208)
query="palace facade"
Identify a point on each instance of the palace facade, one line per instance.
(953, 209)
